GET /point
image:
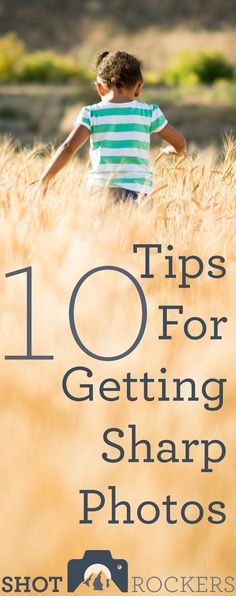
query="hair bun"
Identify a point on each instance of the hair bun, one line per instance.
(101, 57)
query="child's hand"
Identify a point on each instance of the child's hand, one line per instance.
(40, 189)
(169, 150)
(176, 141)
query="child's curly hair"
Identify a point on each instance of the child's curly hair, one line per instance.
(119, 69)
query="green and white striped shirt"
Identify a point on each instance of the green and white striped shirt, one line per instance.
(120, 143)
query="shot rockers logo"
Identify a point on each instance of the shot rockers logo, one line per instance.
(98, 571)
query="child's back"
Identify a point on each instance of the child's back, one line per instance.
(120, 142)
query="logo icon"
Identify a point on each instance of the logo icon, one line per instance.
(98, 571)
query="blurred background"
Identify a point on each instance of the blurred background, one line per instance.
(47, 52)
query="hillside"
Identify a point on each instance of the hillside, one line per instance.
(154, 30)
(67, 23)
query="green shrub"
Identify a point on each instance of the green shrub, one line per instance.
(152, 78)
(37, 67)
(8, 112)
(11, 52)
(48, 67)
(199, 67)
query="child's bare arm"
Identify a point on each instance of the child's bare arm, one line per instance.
(177, 143)
(64, 153)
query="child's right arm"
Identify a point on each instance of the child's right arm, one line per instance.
(177, 143)
(64, 153)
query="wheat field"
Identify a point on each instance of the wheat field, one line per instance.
(52, 446)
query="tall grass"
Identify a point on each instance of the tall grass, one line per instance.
(52, 446)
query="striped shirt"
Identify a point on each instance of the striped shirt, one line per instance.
(120, 143)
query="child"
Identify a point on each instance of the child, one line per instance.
(119, 127)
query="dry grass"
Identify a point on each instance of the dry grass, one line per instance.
(52, 446)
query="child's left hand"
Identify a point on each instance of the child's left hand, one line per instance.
(41, 188)
(169, 150)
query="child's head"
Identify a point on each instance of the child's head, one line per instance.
(120, 70)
